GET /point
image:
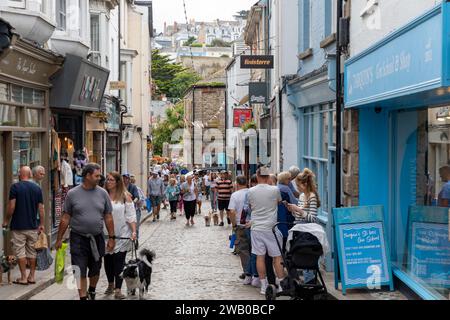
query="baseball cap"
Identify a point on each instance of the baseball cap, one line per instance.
(126, 175)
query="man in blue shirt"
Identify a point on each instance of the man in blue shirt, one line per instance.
(25, 199)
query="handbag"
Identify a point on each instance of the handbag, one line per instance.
(43, 259)
(41, 242)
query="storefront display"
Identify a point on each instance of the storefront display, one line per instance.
(404, 159)
(24, 111)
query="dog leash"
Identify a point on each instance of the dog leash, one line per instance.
(134, 245)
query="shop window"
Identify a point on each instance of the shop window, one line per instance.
(32, 118)
(421, 198)
(8, 115)
(25, 95)
(318, 125)
(4, 92)
(26, 151)
(95, 39)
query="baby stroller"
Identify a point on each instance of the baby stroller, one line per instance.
(303, 251)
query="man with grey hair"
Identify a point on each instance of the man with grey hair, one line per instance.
(38, 174)
(294, 171)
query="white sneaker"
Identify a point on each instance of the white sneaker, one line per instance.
(264, 286)
(256, 282)
(247, 281)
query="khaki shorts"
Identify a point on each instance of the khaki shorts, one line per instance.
(23, 242)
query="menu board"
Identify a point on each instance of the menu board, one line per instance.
(363, 254)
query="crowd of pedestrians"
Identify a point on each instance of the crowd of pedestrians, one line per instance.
(261, 217)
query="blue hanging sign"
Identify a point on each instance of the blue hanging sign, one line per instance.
(362, 252)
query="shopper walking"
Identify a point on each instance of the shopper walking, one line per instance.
(213, 191)
(189, 193)
(263, 200)
(199, 186)
(124, 216)
(224, 188)
(87, 208)
(155, 193)
(172, 194)
(25, 199)
(133, 190)
(182, 179)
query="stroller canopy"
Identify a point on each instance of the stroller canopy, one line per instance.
(312, 228)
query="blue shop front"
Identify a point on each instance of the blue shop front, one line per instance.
(401, 87)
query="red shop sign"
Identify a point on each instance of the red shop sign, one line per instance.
(241, 116)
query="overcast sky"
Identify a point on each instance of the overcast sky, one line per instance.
(200, 10)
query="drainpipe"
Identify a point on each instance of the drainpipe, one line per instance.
(338, 109)
(118, 78)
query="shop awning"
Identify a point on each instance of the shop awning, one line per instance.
(79, 85)
(410, 67)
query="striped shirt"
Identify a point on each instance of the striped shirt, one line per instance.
(309, 206)
(224, 189)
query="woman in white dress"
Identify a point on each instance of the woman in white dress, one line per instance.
(124, 216)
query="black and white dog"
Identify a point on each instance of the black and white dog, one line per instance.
(137, 273)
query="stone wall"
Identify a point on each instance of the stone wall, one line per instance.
(350, 158)
(205, 114)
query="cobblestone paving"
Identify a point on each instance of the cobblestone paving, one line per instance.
(192, 263)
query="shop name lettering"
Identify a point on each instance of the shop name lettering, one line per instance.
(368, 236)
(258, 99)
(90, 88)
(386, 68)
(26, 66)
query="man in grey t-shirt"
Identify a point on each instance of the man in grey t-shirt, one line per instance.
(87, 208)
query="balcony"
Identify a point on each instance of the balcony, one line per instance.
(29, 19)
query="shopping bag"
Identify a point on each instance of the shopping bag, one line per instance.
(44, 259)
(41, 242)
(149, 205)
(59, 264)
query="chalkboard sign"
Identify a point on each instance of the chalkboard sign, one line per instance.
(361, 248)
(429, 246)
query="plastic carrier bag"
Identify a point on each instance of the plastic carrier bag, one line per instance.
(59, 263)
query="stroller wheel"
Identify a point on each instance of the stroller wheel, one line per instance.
(271, 293)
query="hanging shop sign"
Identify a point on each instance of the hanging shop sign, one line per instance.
(241, 116)
(257, 93)
(79, 85)
(257, 62)
(117, 85)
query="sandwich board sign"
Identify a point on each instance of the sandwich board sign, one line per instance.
(362, 251)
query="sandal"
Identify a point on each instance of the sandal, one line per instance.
(17, 281)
